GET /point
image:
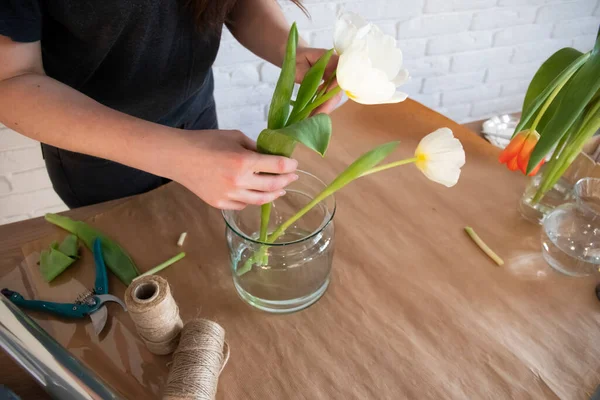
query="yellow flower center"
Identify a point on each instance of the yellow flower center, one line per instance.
(350, 94)
(421, 159)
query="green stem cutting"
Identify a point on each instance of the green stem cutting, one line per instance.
(486, 249)
(163, 265)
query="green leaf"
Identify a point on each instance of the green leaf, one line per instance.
(549, 70)
(310, 82)
(280, 103)
(581, 90)
(555, 70)
(53, 263)
(363, 164)
(116, 258)
(313, 132)
(69, 246)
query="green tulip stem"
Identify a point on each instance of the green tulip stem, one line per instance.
(483, 246)
(326, 86)
(561, 163)
(163, 265)
(261, 255)
(390, 165)
(312, 106)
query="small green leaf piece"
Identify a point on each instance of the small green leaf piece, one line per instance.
(54, 245)
(69, 246)
(311, 81)
(280, 103)
(116, 258)
(53, 263)
(582, 88)
(313, 132)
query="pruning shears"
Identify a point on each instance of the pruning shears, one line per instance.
(90, 303)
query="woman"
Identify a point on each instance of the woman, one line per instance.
(120, 93)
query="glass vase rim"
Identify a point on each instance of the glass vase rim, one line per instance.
(577, 192)
(326, 220)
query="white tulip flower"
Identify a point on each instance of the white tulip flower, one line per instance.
(370, 66)
(440, 157)
(347, 27)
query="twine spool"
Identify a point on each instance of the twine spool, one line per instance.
(154, 313)
(198, 361)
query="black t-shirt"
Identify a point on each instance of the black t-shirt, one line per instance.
(142, 57)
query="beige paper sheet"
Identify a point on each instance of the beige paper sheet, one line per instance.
(415, 310)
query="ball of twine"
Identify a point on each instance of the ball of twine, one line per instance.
(154, 313)
(198, 361)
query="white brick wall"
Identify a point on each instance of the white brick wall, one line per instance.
(469, 59)
(25, 189)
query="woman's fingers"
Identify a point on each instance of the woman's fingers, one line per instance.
(230, 205)
(255, 197)
(268, 183)
(274, 164)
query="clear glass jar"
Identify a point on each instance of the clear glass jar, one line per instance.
(559, 194)
(295, 272)
(571, 232)
(562, 192)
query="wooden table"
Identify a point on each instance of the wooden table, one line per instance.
(442, 321)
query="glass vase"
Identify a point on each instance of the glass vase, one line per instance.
(562, 192)
(571, 232)
(293, 272)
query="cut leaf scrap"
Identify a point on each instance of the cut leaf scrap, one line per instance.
(53, 263)
(69, 246)
(116, 258)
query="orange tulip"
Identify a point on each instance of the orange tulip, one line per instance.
(516, 154)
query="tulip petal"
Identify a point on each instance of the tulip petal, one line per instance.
(401, 78)
(440, 173)
(397, 97)
(440, 157)
(383, 53)
(346, 29)
(512, 164)
(536, 169)
(370, 65)
(443, 145)
(359, 80)
(528, 146)
(513, 149)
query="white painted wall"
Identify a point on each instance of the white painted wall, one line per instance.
(469, 59)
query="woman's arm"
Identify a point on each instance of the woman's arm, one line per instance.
(219, 166)
(261, 27)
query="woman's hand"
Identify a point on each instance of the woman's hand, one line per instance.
(305, 58)
(223, 169)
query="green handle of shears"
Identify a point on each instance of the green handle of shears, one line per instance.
(101, 283)
(68, 310)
